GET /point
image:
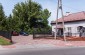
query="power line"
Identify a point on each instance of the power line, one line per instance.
(71, 8)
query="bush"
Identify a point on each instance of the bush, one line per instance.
(4, 42)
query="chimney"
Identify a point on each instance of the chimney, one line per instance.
(67, 13)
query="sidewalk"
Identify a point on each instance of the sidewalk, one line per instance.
(27, 46)
(58, 45)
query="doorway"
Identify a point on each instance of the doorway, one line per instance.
(60, 32)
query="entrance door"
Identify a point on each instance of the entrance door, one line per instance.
(81, 30)
(60, 32)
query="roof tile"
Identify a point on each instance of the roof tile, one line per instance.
(73, 17)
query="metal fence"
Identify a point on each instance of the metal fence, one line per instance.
(6, 34)
(42, 33)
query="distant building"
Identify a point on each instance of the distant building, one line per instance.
(74, 25)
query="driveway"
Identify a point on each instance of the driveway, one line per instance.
(22, 42)
(28, 40)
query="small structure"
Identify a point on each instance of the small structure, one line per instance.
(74, 25)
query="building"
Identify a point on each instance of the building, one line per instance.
(74, 25)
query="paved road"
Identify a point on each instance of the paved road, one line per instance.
(42, 51)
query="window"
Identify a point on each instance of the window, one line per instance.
(69, 29)
(79, 28)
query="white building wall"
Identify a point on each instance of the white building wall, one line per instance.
(73, 26)
(53, 28)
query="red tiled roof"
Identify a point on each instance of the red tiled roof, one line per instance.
(73, 17)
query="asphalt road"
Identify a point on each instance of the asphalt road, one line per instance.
(43, 51)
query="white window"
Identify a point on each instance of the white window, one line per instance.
(69, 29)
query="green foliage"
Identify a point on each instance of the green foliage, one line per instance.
(29, 15)
(30, 30)
(7, 24)
(2, 18)
(45, 14)
(46, 30)
(26, 16)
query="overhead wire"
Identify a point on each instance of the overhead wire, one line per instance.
(71, 8)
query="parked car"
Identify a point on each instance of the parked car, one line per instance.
(14, 33)
(24, 33)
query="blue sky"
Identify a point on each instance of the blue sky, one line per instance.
(71, 6)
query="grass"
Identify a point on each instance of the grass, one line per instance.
(4, 42)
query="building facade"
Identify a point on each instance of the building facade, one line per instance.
(74, 25)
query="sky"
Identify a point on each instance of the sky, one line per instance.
(71, 6)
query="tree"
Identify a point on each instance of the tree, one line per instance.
(2, 18)
(27, 15)
(45, 14)
(9, 23)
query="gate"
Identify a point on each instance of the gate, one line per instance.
(42, 33)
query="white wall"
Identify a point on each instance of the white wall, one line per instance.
(73, 26)
(53, 28)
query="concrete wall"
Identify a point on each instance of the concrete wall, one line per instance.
(73, 26)
(53, 28)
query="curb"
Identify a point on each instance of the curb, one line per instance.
(7, 47)
(12, 46)
(34, 46)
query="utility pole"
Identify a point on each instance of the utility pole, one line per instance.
(56, 30)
